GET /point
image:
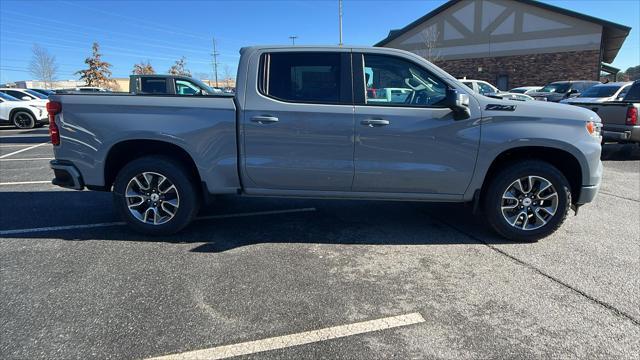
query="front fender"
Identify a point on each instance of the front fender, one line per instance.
(501, 135)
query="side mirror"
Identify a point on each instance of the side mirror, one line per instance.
(458, 103)
(25, 98)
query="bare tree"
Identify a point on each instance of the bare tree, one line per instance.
(228, 76)
(200, 75)
(179, 68)
(98, 72)
(43, 66)
(430, 42)
(143, 68)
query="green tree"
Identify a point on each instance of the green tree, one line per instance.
(98, 72)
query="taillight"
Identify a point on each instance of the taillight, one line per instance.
(632, 116)
(53, 108)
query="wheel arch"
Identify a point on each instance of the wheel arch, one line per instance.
(566, 162)
(126, 151)
(13, 111)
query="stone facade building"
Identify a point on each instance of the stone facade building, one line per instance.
(512, 43)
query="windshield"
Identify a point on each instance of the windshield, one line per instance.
(6, 97)
(599, 91)
(556, 87)
(36, 94)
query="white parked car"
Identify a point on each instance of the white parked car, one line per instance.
(600, 93)
(21, 113)
(486, 89)
(26, 95)
(83, 89)
(525, 89)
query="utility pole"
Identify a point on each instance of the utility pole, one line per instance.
(340, 20)
(293, 39)
(215, 61)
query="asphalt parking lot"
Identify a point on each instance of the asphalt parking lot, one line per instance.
(305, 279)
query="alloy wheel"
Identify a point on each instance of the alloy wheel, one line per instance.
(152, 198)
(529, 202)
(23, 121)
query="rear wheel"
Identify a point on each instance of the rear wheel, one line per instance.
(156, 195)
(527, 201)
(23, 120)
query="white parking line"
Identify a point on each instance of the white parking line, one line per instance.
(21, 150)
(58, 228)
(24, 136)
(14, 145)
(120, 223)
(308, 337)
(25, 182)
(272, 212)
(27, 159)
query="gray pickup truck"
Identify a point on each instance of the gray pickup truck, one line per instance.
(619, 118)
(303, 124)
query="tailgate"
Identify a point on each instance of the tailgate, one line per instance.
(610, 113)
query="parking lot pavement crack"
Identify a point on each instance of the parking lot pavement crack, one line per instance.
(604, 304)
(619, 197)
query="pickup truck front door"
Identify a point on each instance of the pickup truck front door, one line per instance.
(408, 143)
(297, 123)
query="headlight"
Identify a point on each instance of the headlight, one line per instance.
(594, 129)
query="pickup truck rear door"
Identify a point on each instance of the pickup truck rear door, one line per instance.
(409, 143)
(297, 122)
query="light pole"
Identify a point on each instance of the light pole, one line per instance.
(293, 39)
(340, 20)
(214, 56)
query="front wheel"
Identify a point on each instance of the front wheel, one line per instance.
(156, 195)
(527, 201)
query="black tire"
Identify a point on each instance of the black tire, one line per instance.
(23, 119)
(493, 200)
(178, 175)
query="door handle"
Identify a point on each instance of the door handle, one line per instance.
(375, 122)
(264, 119)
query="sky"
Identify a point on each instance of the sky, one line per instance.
(163, 31)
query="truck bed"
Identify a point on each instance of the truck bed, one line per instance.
(204, 126)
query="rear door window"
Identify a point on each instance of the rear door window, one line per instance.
(153, 85)
(306, 77)
(18, 94)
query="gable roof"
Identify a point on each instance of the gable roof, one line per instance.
(613, 34)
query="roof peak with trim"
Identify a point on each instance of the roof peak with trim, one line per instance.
(613, 34)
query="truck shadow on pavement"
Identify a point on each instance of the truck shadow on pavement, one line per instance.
(620, 152)
(335, 222)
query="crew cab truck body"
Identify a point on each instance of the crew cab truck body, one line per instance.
(301, 125)
(620, 121)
